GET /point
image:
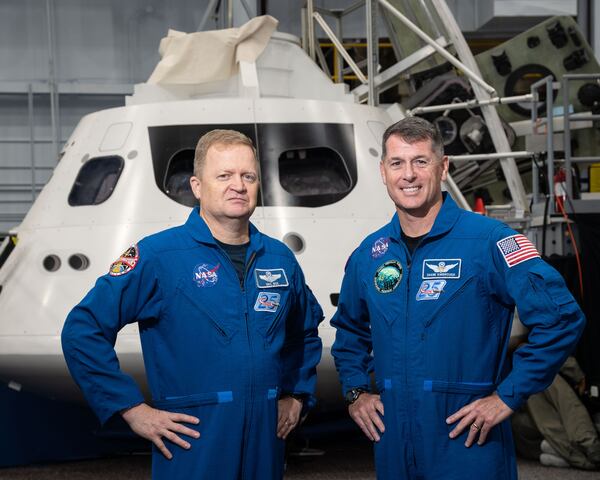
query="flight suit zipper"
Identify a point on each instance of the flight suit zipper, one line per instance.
(242, 285)
(250, 404)
(405, 336)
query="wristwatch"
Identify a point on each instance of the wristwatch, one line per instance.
(298, 396)
(353, 394)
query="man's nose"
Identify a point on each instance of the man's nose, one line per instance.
(238, 183)
(409, 171)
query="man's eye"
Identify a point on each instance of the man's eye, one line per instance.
(250, 177)
(223, 176)
(421, 162)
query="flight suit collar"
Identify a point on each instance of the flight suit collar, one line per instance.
(198, 229)
(445, 220)
(446, 217)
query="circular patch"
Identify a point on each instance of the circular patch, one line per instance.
(205, 275)
(380, 247)
(388, 276)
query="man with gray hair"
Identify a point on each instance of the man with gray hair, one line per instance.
(427, 304)
(228, 330)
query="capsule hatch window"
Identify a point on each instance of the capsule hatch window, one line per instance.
(96, 181)
(177, 179)
(302, 164)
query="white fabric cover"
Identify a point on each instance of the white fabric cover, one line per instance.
(201, 57)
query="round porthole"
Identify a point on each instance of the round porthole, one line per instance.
(51, 263)
(79, 261)
(447, 128)
(294, 242)
(519, 83)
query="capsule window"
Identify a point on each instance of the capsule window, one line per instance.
(96, 181)
(313, 171)
(306, 164)
(177, 179)
(173, 148)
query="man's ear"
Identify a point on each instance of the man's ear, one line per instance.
(382, 172)
(445, 166)
(196, 185)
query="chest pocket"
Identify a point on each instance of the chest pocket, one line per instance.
(270, 310)
(205, 312)
(385, 307)
(453, 291)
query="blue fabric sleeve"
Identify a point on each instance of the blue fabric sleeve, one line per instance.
(353, 345)
(546, 308)
(302, 348)
(90, 332)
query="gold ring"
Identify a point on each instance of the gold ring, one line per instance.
(475, 426)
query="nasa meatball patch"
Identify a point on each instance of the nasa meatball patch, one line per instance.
(441, 268)
(126, 262)
(380, 247)
(205, 274)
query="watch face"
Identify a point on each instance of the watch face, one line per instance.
(352, 395)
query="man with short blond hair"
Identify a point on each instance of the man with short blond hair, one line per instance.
(222, 137)
(228, 329)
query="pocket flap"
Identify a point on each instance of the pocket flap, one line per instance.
(225, 331)
(547, 280)
(208, 398)
(458, 387)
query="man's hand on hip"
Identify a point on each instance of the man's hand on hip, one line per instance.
(479, 417)
(366, 411)
(153, 425)
(288, 415)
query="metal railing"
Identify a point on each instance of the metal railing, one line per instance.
(569, 159)
(537, 122)
(548, 122)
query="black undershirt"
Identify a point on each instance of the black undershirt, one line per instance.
(412, 242)
(237, 255)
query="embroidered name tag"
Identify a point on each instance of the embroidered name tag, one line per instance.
(430, 290)
(441, 268)
(267, 302)
(270, 277)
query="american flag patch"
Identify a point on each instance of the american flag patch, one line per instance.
(516, 249)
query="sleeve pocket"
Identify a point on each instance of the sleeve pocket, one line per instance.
(547, 281)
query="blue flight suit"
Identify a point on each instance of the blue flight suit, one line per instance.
(212, 348)
(435, 328)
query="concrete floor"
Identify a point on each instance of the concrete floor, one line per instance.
(348, 459)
